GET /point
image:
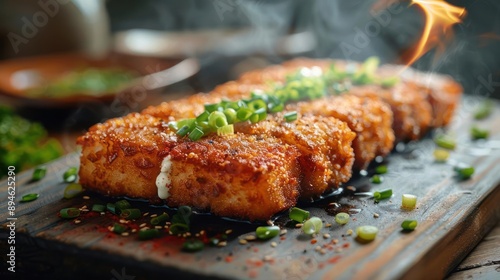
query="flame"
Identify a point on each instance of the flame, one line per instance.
(440, 17)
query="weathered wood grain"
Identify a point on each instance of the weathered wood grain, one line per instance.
(453, 216)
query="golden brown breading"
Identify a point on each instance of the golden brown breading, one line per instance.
(123, 157)
(368, 117)
(324, 144)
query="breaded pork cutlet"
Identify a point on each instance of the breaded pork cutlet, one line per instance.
(368, 117)
(226, 175)
(324, 143)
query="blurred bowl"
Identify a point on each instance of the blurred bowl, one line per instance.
(18, 77)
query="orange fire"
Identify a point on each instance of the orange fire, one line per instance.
(439, 18)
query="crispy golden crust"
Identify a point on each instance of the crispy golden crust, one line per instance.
(324, 143)
(244, 176)
(368, 117)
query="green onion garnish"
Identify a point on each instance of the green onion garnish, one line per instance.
(130, 214)
(225, 130)
(409, 224)
(147, 234)
(230, 115)
(118, 228)
(111, 207)
(178, 228)
(29, 197)
(367, 233)
(441, 155)
(298, 215)
(479, 133)
(484, 110)
(342, 218)
(313, 225)
(69, 213)
(243, 114)
(409, 201)
(383, 194)
(195, 134)
(267, 232)
(445, 141)
(376, 179)
(39, 173)
(217, 119)
(464, 172)
(290, 116)
(212, 107)
(72, 190)
(389, 82)
(381, 169)
(193, 245)
(122, 205)
(183, 131)
(160, 220)
(70, 175)
(98, 208)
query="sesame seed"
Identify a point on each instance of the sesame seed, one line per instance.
(375, 215)
(125, 234)
(188, 234)
(351, 188)
(274, 244)
(270, 223)
(338, 250)
(222, 244)
(326, 236)
(85, 210)
(268, 258)
(197, 235)
(229, 231)
(335, 241)
(243, 241)
(283, 232)
(322, 251)
(317, 248)
(143, 225)
(158, 227)
(103, 213)
(328, 225)
(250, 237)
(202, 232)
(134, 230)
(77, 221)
(349, 232)
(299, 225)
(154, 215)
(84, 207)
(145, 214)
(86, 197)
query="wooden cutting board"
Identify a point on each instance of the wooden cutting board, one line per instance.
(453, 216)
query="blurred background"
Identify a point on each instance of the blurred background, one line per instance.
(175, 48)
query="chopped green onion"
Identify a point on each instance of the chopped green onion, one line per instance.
(464, 172)
(122, 205)
(230, 115)
(409, 224)
(203, 116)
(217, 119)
(441, 155)
(69, 213)
(118, 228)
(267, 232)
(98, 208)
(381, 169)
(178, 228)
(39, 173)
(183, 131)
(72, 190)
(130, 214)
(290, 116)
(298, 215)
(147, 234)
(29, 197)
(193, 245)
(195, 134)
(367, 233)
(111, 208)
(342, 218)
(409, 201)
(70, 175)
(173, 125)
(159, 220)
(383, 194)
(376, 179)
(212, 107)
(243, 114)
(484, 110)
(225, 130)
(185, 211)
(479, 133)
(389, 82)
(257, 104)
(313, 225)
(445, 141)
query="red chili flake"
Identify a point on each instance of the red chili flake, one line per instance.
(346, 245)
(228, 259)
(253, 274)
(255, 249)
(314, 241)
(334, 259)
(354, 219)
(255, 262)
(283, 238)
